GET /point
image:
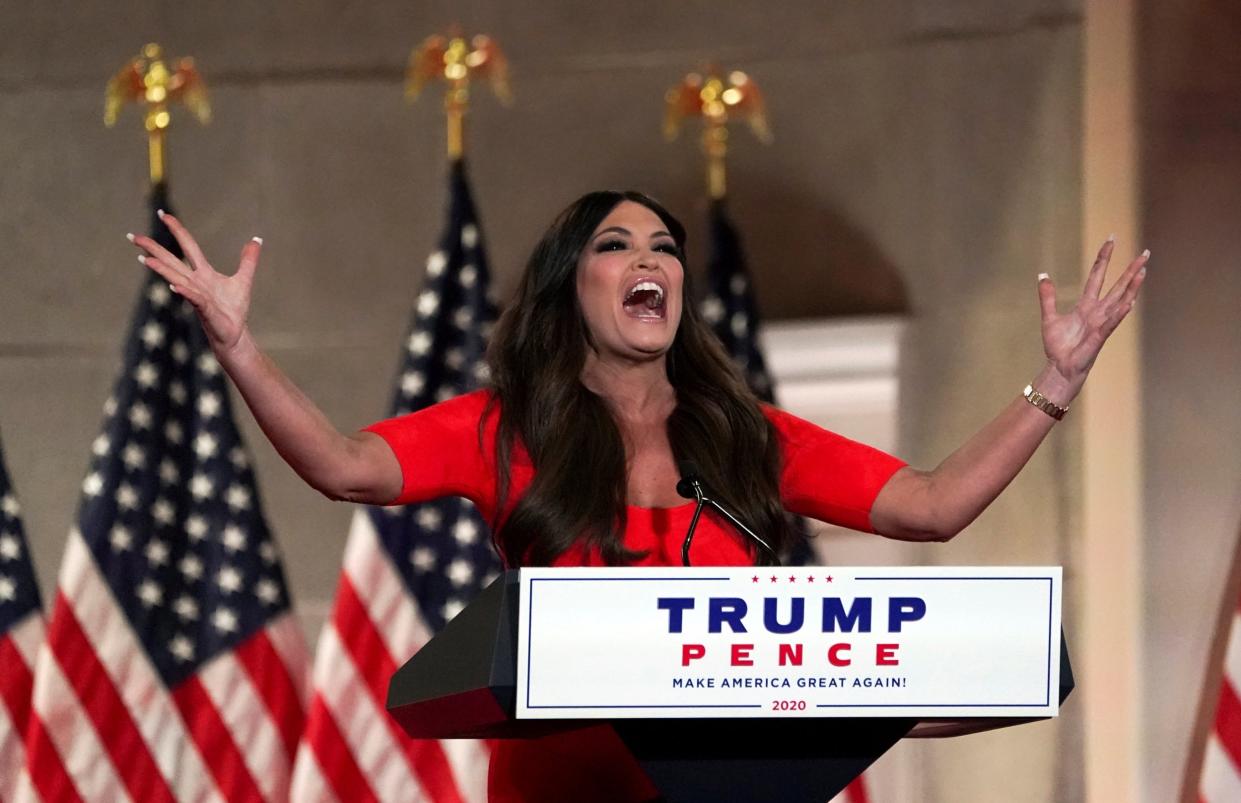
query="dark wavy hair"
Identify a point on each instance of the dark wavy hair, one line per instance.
(579, 488)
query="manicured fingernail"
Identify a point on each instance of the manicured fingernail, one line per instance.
(1042, 277)
(1146, 254)
(142, 258)
(1142, 272)
(172, 287)
(1111, 238)
(258, 240)
(160, 213)
(130, 237)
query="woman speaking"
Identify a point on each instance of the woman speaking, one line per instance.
(603, 380)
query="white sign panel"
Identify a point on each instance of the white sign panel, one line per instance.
(805, 641)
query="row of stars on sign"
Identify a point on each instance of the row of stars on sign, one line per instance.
(792, 578)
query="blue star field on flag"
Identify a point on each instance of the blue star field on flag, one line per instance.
(443, 549)
(170, 509)
(729, 306)
(19, 590)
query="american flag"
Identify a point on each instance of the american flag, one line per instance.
(730, 307)
(21, 634)
(728, 303)
(407, 570)
(1221, 765)
(173, 667)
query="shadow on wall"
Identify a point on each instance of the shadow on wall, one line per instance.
(806, 259)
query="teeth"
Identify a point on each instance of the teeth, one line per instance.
(659, 291)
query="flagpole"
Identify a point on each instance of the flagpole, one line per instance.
(147, 80)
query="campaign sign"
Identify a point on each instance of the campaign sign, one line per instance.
(806, 641)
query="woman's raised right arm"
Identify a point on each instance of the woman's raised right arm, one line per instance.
(357, 468)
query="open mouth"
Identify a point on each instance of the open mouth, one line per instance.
(645, 300)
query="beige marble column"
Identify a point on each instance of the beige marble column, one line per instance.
(1108, 554)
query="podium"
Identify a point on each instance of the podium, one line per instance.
(463, 684)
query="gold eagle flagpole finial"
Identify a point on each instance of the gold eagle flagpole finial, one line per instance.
(148, 80)
(717, 99)
(456, 61)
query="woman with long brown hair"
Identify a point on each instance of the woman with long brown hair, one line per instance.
(603, 378)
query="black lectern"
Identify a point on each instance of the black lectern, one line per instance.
(462, 684)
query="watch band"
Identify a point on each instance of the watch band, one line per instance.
(1043, 403)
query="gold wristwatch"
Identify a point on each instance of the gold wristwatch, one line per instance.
(1043, 403)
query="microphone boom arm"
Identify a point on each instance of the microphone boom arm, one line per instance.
(697, 491)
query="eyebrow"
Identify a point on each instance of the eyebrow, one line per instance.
(627, 232)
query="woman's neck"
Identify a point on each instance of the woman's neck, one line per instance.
(635, 390)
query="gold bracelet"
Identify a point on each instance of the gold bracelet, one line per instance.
(1043, 403)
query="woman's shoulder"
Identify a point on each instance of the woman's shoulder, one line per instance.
(787, 424)
(795, 432)
(444, 450)
(476, 402)
(463, 413)
(473, 404)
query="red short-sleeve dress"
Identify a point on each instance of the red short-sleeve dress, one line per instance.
(449, 450)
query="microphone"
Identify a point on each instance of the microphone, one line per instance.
(691, 486)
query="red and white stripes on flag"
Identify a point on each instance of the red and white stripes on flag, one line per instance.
(105, 727)
(21, 633)
(18, 650)
(855, 792)
(1221, 766)
(352, 749)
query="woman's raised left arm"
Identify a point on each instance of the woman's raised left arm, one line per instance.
(935, 505)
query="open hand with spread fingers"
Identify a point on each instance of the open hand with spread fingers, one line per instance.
(359, 467)
(1073, 340)
(938, 504)
(222, 302)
